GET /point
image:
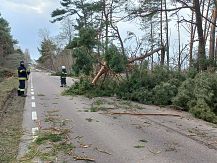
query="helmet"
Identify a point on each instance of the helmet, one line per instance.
(63, 67)
(21, 62)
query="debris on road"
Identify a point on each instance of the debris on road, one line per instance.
(102, 151)
(83, 158)
(154, 152)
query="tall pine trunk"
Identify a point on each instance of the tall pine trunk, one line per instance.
(201, 46)
(212, 38)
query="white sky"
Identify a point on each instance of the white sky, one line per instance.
(26, 17)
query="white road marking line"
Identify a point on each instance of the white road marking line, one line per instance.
(34, 116)
(33, 104)
(32, 93)
(33, 97)
(34, 133)
(32, 89)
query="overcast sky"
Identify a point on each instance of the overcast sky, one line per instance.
(26, 17)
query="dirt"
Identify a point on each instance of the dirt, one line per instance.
(11, 127)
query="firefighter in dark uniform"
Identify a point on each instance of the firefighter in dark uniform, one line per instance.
(63, 77)
(22, 77)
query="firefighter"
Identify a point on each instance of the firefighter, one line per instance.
(22, 76)
(63, 77)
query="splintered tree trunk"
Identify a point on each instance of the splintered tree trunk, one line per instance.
(212, 38)
(201, 46)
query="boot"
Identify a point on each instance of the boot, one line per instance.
(23, 95)
(18, 93)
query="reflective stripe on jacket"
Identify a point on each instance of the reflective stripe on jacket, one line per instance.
(22, 73)
(63, 74)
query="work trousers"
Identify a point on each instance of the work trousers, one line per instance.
(63, 81)
(21, 88)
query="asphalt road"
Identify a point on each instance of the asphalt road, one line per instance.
(117, 138)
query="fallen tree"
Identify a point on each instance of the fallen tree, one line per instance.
(105, 69)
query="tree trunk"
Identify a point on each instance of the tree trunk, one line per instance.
(167, 35)
(205, 26)
(161, 38)
(212, 38)
(179, 57)
(152, 58)
(193, 29)
(201, 46)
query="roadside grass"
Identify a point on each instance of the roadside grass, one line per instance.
(11, 117)
(6, 87)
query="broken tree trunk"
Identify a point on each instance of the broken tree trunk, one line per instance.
(105, 69)
(101, 71)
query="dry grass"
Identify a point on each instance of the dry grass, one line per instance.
(10, 120)
(6, 87)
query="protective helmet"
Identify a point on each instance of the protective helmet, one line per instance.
(21, 62)
(63, 67)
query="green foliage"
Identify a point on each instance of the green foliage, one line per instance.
(84, 87)
(157, 87)
(203, 111)
(163, 93)
(192, 72)
(47, 51)
(48, 137)
(83, 9)
(79, 88)
(116, 61)
(86, 38)
(82, 50)
(6, 39)
(199, 96)
(185, 94)
(84, 62)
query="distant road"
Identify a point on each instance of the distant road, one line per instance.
(118, 138)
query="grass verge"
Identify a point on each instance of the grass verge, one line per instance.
(10, 120)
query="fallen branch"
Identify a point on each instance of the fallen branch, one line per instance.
(157, 152)
(154, 114)
(83, 158)
(102, 151)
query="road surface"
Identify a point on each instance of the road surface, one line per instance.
(108, 138)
